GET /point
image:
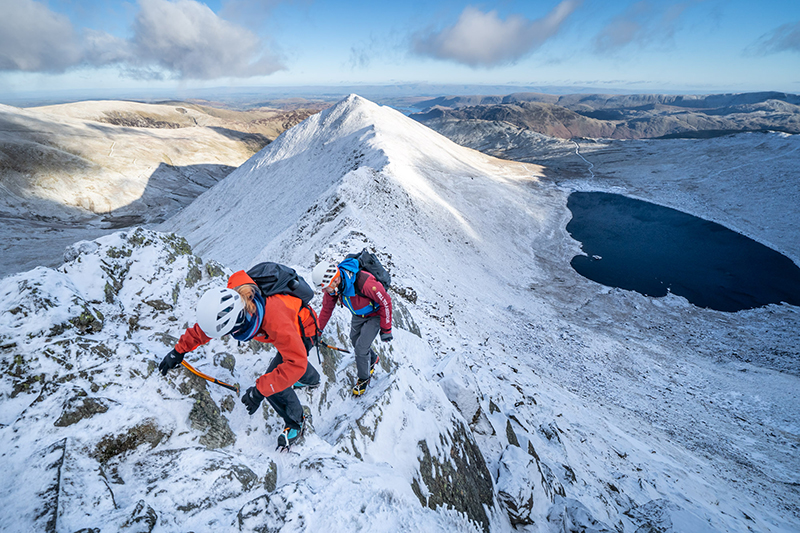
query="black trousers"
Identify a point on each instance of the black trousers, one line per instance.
(285, 402)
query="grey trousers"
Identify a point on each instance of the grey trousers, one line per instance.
(363, 331)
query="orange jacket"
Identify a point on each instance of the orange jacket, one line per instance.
(280, 327)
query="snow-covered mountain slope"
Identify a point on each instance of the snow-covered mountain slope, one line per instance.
(709, 178)
(482, 248)
(532, 397)
(94, 437)
(77, 171)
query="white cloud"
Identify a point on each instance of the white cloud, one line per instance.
(782, 39)
(642, 23)
(187, 38)
(481, 39)
(178, 38)
(33, 38)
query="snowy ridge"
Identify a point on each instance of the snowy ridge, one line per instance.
(589, 408)
(86, 410)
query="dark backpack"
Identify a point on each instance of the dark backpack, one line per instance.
(274, 278)
(369, 262)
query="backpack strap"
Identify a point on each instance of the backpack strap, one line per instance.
(316, 337)
(358, 284)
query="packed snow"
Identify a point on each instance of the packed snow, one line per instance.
(515, 394)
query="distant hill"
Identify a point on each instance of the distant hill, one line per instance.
(85, 168)
(641, 116)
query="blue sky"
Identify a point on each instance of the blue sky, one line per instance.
(641, 45)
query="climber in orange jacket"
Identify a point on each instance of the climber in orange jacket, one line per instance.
(280, 319)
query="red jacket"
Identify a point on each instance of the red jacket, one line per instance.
(280, 327)
(372, 290)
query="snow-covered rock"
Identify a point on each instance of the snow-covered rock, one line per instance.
(97, 438)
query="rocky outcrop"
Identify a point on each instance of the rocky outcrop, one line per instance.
(147, 432)
(142, 520)
(571, 516)
(526, 487)
(460, 480)
(206, 416)
(80, 407)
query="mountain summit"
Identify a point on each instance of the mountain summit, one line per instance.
(358, 160)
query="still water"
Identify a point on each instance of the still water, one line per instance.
(650, 249)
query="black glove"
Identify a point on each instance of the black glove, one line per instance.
(386, 337)
(252, 399)
(170, 361)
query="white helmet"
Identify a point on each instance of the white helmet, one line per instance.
(218, 310)
(323, 274)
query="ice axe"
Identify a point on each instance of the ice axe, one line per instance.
(196, 372)
(335, 348)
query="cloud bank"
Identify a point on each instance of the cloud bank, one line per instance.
(481, 39)
(182, 39)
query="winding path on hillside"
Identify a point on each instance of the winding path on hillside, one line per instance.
(578, 153)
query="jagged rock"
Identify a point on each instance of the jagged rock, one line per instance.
(517, 481)
(52, 461)
(244, 475)
(460, 481)
(80, 407)
(550, 431)
(142, 520)
(401, 318)
(89, 321)
(83, 247)
(206, 416)
(271, 477)
(194, 275)
(480, 423)
(663, 516)
(405, 292)
(159, 305)
(461, 395)
(571, 516)
(253, 515)
(110, 446)
(276, 512)
(526, 487)
(225, 360)
(550, 482)
(330, 361)
(201, 486)
(510, 435)
(227, 404)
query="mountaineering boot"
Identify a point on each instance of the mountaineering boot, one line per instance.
(372, 366)
(361, 387)
(289, 436)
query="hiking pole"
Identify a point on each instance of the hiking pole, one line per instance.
(196, 372)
